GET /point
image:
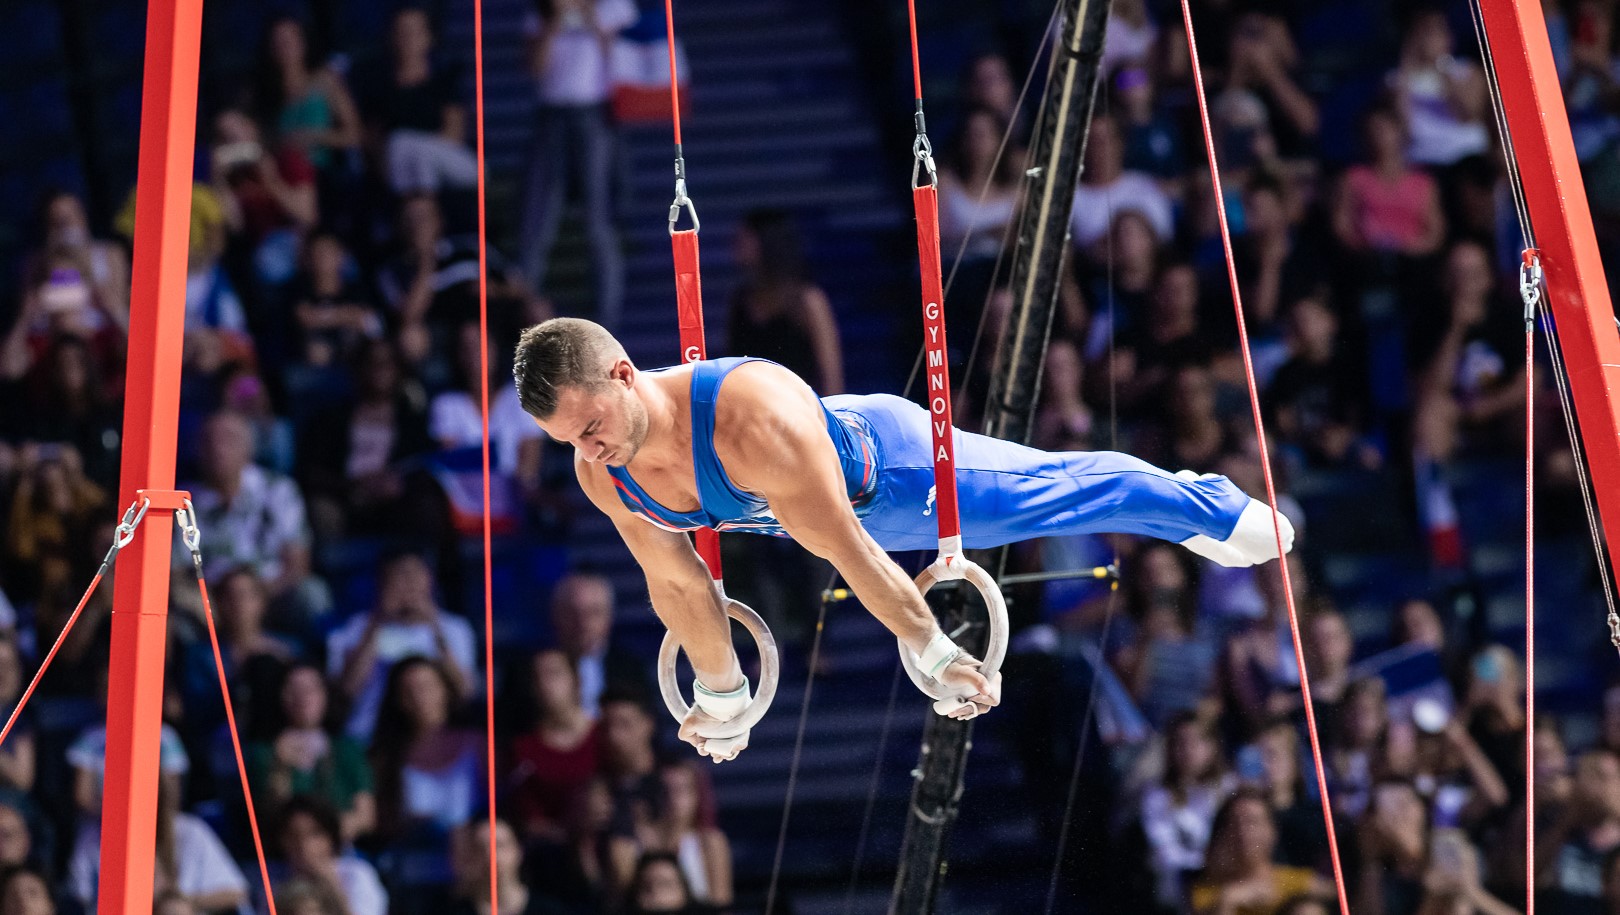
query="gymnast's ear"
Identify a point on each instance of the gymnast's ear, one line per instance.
(623, 371)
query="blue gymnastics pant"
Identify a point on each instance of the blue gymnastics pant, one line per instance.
(1008, 492)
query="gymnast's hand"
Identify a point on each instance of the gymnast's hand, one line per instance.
(978, 693)
(718, 749)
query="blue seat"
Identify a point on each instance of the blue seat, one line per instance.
(30, 37)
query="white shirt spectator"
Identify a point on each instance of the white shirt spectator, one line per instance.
(395, 642)
(1096, 205)
(361, 889)
(1178, 833)
(576, 70)
(203, 866)
(454, 418)
(89, 752)
(265, 518)
(1438, 136)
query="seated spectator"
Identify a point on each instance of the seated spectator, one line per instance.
(703, 853)
(1301, 838)
(243, 391)
(416, 108)
(1239, 877)
(269, 196)
(65, 230)
(1168, 340)
(1178, 813)
(1191, 432)
(1119, 274)
(1169, 666)
(1278, 264)
(18, 754)
(1318, 398)
(26, 891)
(335, 315)
(191, 860)
(357, 456)
(52, 518)
(455, 421)
(1493, 711)
(629, 762)
(1131, 38)
(1065, 421)
(1393, 839)
(1278, 118)
(1107, 189)
(1587, 832)
(556, 756)
(254, 659)
(469, 856)
(74, 408)
(312, 844)
(988, 84)
(1329, 648)
(307, 104)
(407, 623)
(1442, 97)
(254, 519)
(306, 756)
(778, 312)
(429, 771)
(17, 845)
(59, 303)
(582, 623)
(1387, 206)
(979, 183)
(658, 885)
(1351, 758)
(1154, 143)
(1477, 365)
(87, 757)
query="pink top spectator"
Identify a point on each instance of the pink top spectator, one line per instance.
(1390, 216)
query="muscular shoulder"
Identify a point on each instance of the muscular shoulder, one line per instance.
(763, 414)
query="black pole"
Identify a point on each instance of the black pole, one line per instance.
(1038, 262)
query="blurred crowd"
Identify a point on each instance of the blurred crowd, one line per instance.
(331, 393)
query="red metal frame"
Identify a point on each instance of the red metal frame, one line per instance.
(1577, 292)
(151, 407)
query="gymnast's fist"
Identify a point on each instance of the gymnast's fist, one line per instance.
(718, 749)
(975, 693)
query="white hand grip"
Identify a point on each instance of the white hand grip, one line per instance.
(770, 670)
(951, 566)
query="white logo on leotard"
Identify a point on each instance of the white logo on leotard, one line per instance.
(928, 506)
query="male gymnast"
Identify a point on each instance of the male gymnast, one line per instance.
(743, 444)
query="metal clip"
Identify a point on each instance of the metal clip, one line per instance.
(1530, 281)
(190, 534)
(922, 153)
(682, 201)
(125, 531)
(1614, 629)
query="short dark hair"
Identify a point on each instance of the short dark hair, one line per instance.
(318, 809)
(560, 353)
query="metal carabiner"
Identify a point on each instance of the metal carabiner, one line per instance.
(1530, 284)
(125, 532)
(190, 534)
(922, 157)
(682, 201)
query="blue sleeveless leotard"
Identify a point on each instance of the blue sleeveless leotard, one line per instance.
(1005, 491)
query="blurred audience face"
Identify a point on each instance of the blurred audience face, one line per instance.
(469, 852)
(304, 698)
(1175, 301)
(1063, 372)
(1331, 644)
(1191, 751)
(1420, 625)
(1428, 38)
(1398, 809)
(66, 224)
(26, 893)
(680, 794)
(627, 732)
(1194, 394)
(1135, 244)
(1366, 715)
(15, 842)
(379, 371)
(1264, 211)
(556, 684)
(227, 449)
(307, 846)
(1105, 151)
(1314, 328)
(981, 139)
(242, 602)
(990, 85)
(326, 257)
(582, 614)
(1279, 756)
(233, 126)
(425, 697)
(660, 888)
(1386, 137)
(412, 35)
(287, 46)
(1252, 829)
(174, 904)
(1468, 273)
(406, 591)
(1597, 784)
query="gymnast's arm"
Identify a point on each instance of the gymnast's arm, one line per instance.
(683, 593)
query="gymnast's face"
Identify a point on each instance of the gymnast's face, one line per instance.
(607, 425)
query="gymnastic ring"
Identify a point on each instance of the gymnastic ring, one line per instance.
(953, 566)
(770, 670)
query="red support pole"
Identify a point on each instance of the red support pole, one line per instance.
(1577, 292)
(152, 403)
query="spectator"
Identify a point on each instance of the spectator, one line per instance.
(570, 45)
(65, 232)
(305, 756)
(1131, 38)
(1153, 352)
(25, 891)
(1278, 265)
(358, 456)
(254, 519)
(17, 846)
(243, 391)
(1065, 421)
(1318, 397)
(191, 860)
(307, 105)
(59, 303)
(1154, 143)
(335, 315)
(1493, 711)
(1279, 119)
(269, 196)
(53, 513)
(629, 762)
(312, 844)
(406, 623)
(417, 110)
(1239, 877)
(1107, 189)
(1119, 273)
(582, 623)
(703, 853)
(72, 407)
(1387, 206)
(1393, 842)
(1301, 838)
(429, 771)
(469, 854)
(1476, 370)
(1587, 832)
(1178, 813)
(659, 886)
(988, 84)
(778, 313)
(979, 183)
(1442, 97)
(1170, 666)
(254, 659)
(556, 756)
(1329, 648)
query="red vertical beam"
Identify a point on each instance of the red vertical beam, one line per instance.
(152, 402)
(1576, 289)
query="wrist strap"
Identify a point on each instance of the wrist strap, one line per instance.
(939, 652)
(721, 706)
